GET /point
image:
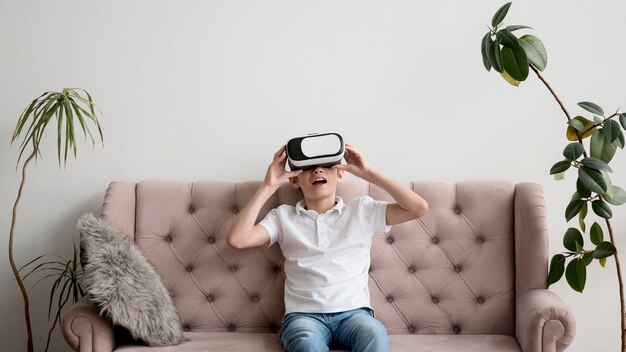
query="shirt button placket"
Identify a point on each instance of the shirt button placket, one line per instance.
(321, 232)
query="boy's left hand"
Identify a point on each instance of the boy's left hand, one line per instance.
(356, 163)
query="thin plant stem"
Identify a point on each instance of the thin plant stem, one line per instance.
(621, 285)
(20, 283)
(608, 223)
(569, 118)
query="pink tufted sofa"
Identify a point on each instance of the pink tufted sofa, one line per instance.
(468, 276)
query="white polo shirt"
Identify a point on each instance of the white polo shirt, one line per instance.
(327, 256)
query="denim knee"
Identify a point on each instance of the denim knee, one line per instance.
(304, 334)
(364, 333)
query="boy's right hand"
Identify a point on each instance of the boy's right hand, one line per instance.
(276, 174)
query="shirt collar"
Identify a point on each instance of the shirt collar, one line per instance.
(338, 206)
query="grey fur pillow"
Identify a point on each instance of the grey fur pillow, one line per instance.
(125, 286)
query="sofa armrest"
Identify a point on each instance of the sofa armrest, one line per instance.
(85, 330)
(544, 323)
(531, 238)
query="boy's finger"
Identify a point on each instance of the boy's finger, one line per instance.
(279, 152)
(294, 173)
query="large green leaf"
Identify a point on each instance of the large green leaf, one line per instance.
(557, 268)
(573, 208)
(599, 148)
(601, 208)
(604, 250)
(582, 191)
(573, 151)
(484, 44)
(596, 234)
(516, 27)
(621, 143)
(596, 164)
(611, 131)
(591, 107)
(560, 166)
(592, 179)
(576, 274)
(515, 62)
(535, 50)
(507, 39)
(609, 184)
(571, 238)
(618, 196)
(494, 55)
(500, 14)
(582, 215)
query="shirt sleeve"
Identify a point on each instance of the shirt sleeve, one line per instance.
(376, 213)
(271, 223)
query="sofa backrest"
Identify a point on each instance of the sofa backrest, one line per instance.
(449, 272)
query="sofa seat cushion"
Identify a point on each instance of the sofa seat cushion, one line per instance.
(261, 342)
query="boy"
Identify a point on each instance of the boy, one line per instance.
(326, 245)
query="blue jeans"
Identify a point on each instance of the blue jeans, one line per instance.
(357, 330)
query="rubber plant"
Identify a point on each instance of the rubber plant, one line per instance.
(514, 58)
(70, 108)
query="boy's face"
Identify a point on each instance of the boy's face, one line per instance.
(318, 182)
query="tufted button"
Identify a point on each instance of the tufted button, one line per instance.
(233, 268)
(457, 211)
(390, 299)
(480, 239)
(411, 329)
(390, 240)
(480, 300)
(212, 239)
(435, 300)
(273, 327)
(209, 298)
(168, 238)
(188, 268)
(191, 209)
(435, 240)
(276, 268)
(186, 327)
(412, 269)
(235, 210)
(254, 298)
(457, 268)
(456, 329)
(231, 327)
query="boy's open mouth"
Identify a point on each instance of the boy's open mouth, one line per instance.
(319, 181)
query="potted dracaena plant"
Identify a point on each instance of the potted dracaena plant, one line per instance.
(71, 107)
(513, 58)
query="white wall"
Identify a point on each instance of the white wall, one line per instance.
(207, 90)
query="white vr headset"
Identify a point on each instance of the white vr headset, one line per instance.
(316, 149)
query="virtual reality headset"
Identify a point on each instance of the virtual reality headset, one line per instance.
(316, 149)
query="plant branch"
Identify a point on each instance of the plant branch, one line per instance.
(608, 223)
(552, 92)
(569, 118)
(621, 283)
(20, 283)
